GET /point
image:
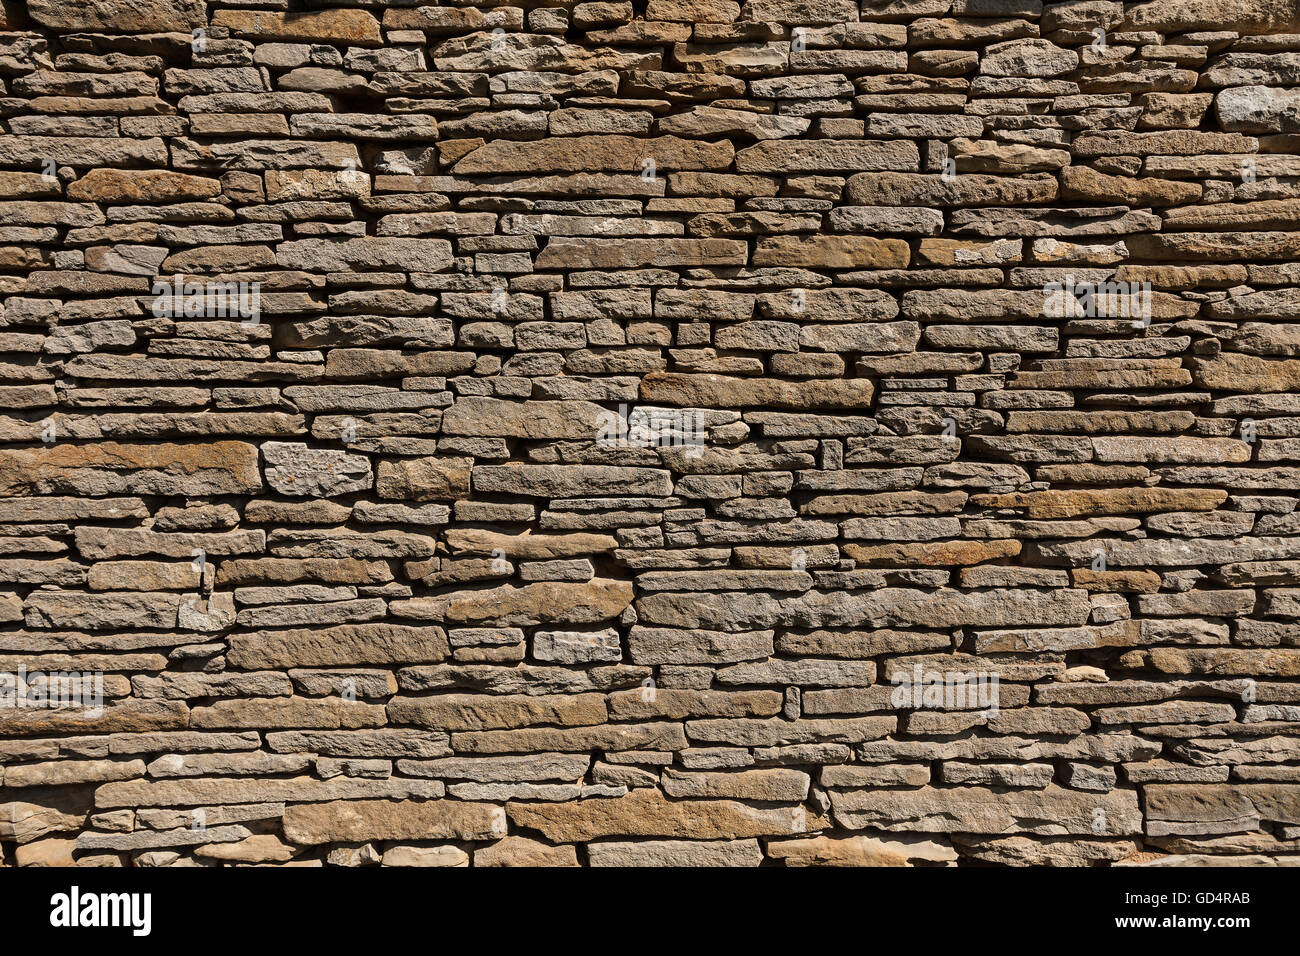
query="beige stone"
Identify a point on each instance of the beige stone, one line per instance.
(358, 820)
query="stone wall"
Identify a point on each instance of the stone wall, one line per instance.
(677, 431)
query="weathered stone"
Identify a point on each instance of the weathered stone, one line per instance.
(341, 26)
(108, 468)
(1086, 503)
(735, 611)
(341, 645)
(717, 391)
(559, 481)
(101, 611)
(258, 848)
(1247, 373)
(826, 156)
(595, 154)
(323, 255)
(425, 856)
(141, 186)
(1227, 808)
(527, 547)
(1050, 812)
(534, 419)
(647, 813)
(1258, 109)
(72, 771)
(905, 189)
(424, 479)
(357, 820)
(466, 712)
(520, 851)
(832, 252)
(295, 469)
(594, 601)
(676, 853)
(857, 851)
(1246, 16)
(126, 16)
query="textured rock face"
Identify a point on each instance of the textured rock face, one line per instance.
(683, 433)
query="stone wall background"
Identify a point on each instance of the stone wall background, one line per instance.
(392, 571)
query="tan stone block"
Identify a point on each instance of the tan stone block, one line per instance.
(648, 813)
(354, 821)
(329, 26)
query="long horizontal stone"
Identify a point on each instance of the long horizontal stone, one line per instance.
(124, 16)
(887, 607)
(647, 813)
(345, 644)
(1106, 501)
(217, 790)
(719, 391)
(622, 154)
(1172, 552)
(974, 189)
(1053, 811)
(324, 255)
(527, 546)
(183, 837)
(110, 468)
(606, 737)
(469, 712)
(832, 252)
(130, 716)
(675, 853)
(561, 253)
(355, 821)
(30, 152)
(355, 27)
(827, 156)
(533, 419)
(547, 603)
(101, 610)
(568, 481)
(1184, 809)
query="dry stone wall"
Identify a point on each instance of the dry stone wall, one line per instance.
(669, 431)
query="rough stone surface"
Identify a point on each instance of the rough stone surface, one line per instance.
(683, 433)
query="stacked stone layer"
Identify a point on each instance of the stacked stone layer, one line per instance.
(389, 570)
